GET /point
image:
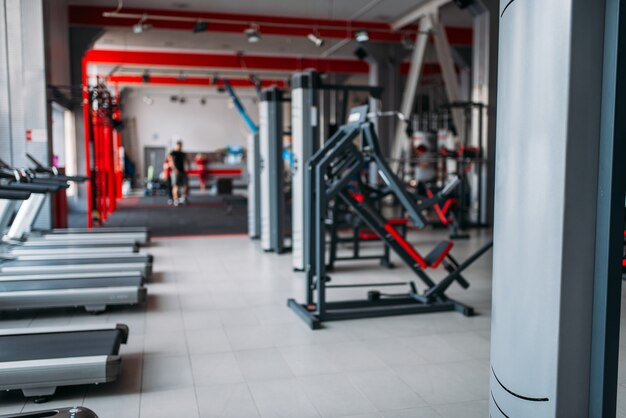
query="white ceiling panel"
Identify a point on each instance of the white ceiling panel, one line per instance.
(380, 10)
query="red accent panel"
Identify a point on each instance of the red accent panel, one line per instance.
(215, 172)
(398, 221)
(446, 206)
(443, 255)
(441, 214)
(406, 246)
(368, 236)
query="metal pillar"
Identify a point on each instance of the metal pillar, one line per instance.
(412, 81)
(254, 186)
(305, 121)
(271, 148)
(450, 79)
(556, 289)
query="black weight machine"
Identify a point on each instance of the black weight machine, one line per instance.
(336, 173)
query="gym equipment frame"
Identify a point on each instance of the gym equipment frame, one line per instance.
(336, 173)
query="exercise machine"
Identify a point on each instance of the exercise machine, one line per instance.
(337, 171)
(73, 412)
(45, 286)
(306, 123)
(38, 360)
(271, 172)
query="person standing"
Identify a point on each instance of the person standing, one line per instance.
(166, 176)
(178, 162)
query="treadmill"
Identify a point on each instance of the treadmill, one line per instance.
(38, 360)
(61, 260)
(44, 287)
(31, 208)
(139, 234)
(73, 412)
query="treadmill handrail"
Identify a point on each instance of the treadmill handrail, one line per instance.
(14, 194)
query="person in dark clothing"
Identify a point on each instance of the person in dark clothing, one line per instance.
(178, 162)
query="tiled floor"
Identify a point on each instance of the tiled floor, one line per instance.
(217, 340)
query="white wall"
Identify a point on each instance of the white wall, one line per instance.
(201, 127)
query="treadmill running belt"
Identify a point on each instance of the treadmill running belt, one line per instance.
(56, 284)
(60, 345)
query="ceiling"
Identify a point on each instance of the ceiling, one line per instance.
(165, 40)
(376, 10)
(176, 40)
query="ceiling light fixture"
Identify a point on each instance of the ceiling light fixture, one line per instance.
(200, 26)
(252, 34)
(407, 42)
(313, 37)
(361, 36)
(142, 26)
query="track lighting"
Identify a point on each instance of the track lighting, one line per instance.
(361, 36)
(360, 53)
(252, 34)
(142, 26)
(315, 39)
(200, 26)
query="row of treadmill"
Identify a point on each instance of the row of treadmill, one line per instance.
(75, 268)
(345, 182)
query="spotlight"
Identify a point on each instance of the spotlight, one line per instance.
(407, 42)
(141, 26)
(203, 101)
(145, 77)
(252, 34)
(182, 100)
(173, 99)
(361, 36)
(200, 26)
(360, 53)
(315, 39)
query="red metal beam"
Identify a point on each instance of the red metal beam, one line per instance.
(267, 25)
(189, 81)
(247, 63)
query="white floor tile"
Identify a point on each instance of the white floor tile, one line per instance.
(262, 364)
(282, 398)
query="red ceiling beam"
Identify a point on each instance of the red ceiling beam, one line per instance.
(249, 63)
(189, 81)
(268, 25)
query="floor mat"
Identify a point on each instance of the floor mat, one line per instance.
(203, 215)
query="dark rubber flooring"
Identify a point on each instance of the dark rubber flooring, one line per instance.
(203, 215)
